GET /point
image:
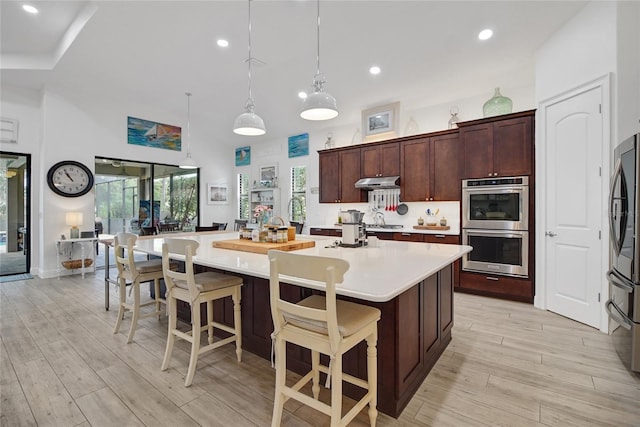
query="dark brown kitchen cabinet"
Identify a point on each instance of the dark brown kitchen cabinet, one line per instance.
(380, 160)
(339, 171)
(498, 146)
(430, 168)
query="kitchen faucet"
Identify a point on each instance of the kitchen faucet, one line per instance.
(378, 218)
(290, 205)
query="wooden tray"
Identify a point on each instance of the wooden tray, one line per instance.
(262, 248)
(74, 264)
(431, 227)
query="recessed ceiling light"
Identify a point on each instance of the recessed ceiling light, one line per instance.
(485, 34)
(375, 70)
(29, 8)
(222, 43)
(302, 95)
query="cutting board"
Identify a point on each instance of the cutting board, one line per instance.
(431, 227)
(262, 248)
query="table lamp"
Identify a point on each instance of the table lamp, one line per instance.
(74, 219)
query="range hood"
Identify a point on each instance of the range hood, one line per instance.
(379, 182)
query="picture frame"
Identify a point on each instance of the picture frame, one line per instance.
(380, 122)
(269, 176)
(8, 130)
(148, 133)
(217, 194)
(298, 145)
(243, 156)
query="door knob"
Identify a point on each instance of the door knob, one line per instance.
(550, 234)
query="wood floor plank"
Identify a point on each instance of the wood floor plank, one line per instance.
(15, 408)
(104, 409)
(147, 403)
(435, 415)
(7, 373)
(19, 344)
(201, 408)
(613, 373)
(48, 399)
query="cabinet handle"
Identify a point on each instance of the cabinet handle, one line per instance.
(406, 234)
(439, 236)
(495, 279)
(495, 174)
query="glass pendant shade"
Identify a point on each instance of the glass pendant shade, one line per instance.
(319, 106)
(188, 163)
(249, 124)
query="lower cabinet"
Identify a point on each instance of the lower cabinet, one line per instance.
(505, 287)
(414, 330)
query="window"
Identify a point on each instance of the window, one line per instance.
(298, 202)
(243, 196)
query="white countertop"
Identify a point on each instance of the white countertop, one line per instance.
(376, 274)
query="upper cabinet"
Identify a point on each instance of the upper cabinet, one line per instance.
(498, 146)
(431, 168)
(380, 160)
(339, 171)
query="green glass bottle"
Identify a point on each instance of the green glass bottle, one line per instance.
(497, 105)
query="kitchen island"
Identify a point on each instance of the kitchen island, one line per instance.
(411, 283)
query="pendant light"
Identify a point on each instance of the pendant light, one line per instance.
(188, 162)
(319, 105)
(249, 123)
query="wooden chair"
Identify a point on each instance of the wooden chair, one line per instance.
(136, 273)
(196, 289)
(298, 225)
(220, 225)
(148, 231)
(239, 224)
(324, 325)
(205, 228)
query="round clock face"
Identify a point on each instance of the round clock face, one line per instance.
(70, 179)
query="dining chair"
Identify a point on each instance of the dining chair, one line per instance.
(148, 231)
(206, 228)
(324, 325)
(220, 225)
(298, 225)
(136, 272)
(238, 224)
(195, 289)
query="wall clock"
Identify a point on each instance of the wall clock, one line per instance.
(70, 179)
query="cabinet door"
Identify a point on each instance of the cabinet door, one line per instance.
(447, 161)
(414, 165)
(349, 174)
(370, 157)
(477, 142)
(512, 144)
(390, 159)
(329, 177)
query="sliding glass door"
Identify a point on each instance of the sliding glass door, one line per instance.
(15, 241)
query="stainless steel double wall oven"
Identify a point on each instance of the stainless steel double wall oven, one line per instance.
(495, 221)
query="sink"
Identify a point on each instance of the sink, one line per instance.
(386, 226)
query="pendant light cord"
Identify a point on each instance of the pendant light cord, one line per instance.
(249, 105)
(318, 38)
(188, 123)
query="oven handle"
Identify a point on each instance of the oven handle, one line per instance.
(618, 280)
(494, 190)
(620, 318)
(501, 233)
(616, 241)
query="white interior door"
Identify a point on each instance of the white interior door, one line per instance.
(573, 244)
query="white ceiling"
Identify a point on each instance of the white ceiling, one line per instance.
(155, 51)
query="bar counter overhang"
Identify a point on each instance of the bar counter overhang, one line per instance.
(411, 283)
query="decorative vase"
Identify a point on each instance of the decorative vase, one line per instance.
(497, 105)
(411, 128)
(453, 121)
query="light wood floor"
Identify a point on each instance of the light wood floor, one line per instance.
(508, 364)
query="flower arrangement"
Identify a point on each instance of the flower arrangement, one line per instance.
(262, 213)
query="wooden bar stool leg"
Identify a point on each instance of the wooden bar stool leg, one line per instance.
(195, 342)
(210, 321)
(281, 376)
(237, 322)
(122, 288)
(136, 310)
(315, 363)
(156, 288)
(336, 390)
(173, 324)
(372, 376)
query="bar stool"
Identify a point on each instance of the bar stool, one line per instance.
(136, 273)
(196, 289)
(324, 325)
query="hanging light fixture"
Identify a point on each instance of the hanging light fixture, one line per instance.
(319, 105)
(188, 162)
(249, 123)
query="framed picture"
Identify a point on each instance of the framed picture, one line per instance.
(217, 194)
(380, 122)
(152, 134)
(299, 145)
(243, 156)
(269, 176)
(8, 130)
